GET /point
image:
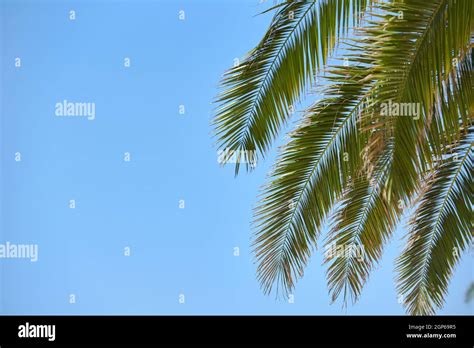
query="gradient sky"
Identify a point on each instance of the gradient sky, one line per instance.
(136, 204)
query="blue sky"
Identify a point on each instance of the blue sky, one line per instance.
(135, 204)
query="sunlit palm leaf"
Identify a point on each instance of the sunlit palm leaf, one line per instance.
(368, 167)
(441, 230)
(367, 216)
(260, 93)
(441, 227)
(364, 221)
(307, 179)
(416, 59)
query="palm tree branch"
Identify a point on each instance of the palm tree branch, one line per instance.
(307, 173)
(259, 92)
(440, 231)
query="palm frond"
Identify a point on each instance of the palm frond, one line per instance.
(362, 224)
(469, 293)
(439, 241)
(453, 110)
(349, 155)
(414, 62)
(308, 177)
(260, 93)
(371, 208)
(441, 229)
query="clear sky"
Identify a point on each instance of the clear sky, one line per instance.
(136, 204)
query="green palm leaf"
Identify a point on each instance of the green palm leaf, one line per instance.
(369, 212)
(414, 62)
(363, 222)
(441, 227)
(308, 178)
(350, 158)
(259, 93)
(441, 230)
